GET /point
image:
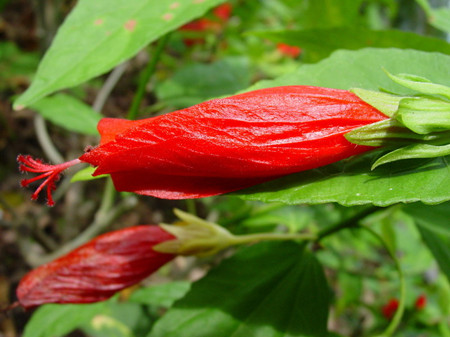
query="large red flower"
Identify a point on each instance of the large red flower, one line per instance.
(224, 145)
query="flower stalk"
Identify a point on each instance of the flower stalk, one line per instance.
(195, 236)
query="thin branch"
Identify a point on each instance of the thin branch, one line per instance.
(353, 222)
(45, 141)
(108, 86)
(104, 216)
(393, 325)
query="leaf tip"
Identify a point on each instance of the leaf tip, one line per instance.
(18, 107)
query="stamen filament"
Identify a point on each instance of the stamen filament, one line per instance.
(52, 174)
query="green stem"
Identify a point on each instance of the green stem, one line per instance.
(353, 222)
(250, 238)
(145, 77)
(401, 307)
(190, 206)
(108, 197)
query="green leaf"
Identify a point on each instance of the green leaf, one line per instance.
(199, 82)
(268, 289)
(434, 226)
(364, 69)
(438, 18)
(162, 295)
(52, 320)
(86, 174)
(320, 43)
(69, 112)
(351, 182)
(98, 35)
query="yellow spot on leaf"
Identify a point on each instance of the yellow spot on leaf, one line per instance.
(130, 25)
(198, 1)
(98, 22)
(175, 5)
(167, 16)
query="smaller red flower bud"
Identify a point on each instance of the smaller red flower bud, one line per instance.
(421, 302)
(98, 269)
(389, 309)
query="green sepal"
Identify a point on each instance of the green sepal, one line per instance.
(413, 151)
(420, 84)
(389, 132)
(424, 115)
(194, 236)
(86, 174)
(386, 103)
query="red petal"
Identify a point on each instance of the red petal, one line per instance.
(239, 140)
(179, 187)
(96, 270)
(109, 128)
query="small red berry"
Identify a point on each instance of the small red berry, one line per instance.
(421, 302)
(389, 309)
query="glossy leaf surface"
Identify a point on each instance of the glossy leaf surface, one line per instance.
(269, 289)
(98, 35)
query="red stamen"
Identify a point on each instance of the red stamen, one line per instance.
(52, 173)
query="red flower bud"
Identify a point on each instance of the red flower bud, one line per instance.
(98, 269)
(224, 145)
(421, 302)
(389, 309)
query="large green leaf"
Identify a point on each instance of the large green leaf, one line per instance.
(319, 43)
(269, 289)
(364, 69)
(433, 223)
(69, 113)
(98, 35)
(351, 182)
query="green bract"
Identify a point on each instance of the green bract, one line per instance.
(424, 115)
(419, 126)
